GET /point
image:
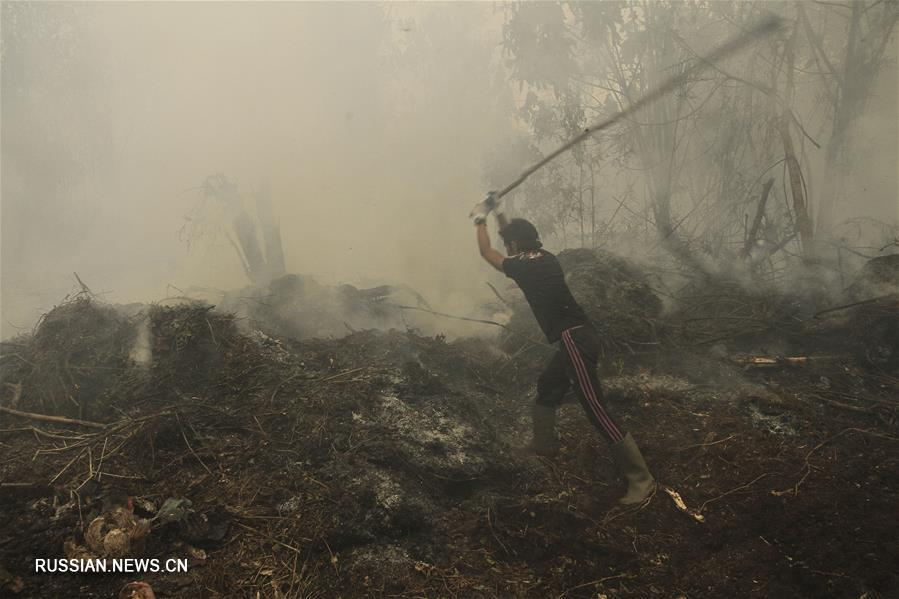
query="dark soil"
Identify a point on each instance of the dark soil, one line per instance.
(387, 463)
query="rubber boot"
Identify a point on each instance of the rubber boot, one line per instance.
(546, 440)
(640, 483)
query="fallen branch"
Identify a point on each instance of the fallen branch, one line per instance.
(682, 505)
(772, 361)
(43, 433)
(844, 406)
(479, 320)
(47, 418)
(873, 300)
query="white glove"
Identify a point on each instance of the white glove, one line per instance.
(480, 211)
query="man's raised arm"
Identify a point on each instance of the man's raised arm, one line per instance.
(487, 252)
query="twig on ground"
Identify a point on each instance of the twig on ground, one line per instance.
(734, 490)
(100, 463)
(493, 532)
(272, 539)
(808, 467)
(586, 584)
(342, 374)
(281, 384)
(618, 512)
(47, 418)
(839, 404)
(66, 467)
(186, 442)
(333, 557)
(41, 433)
(728, 438)
(681, 504)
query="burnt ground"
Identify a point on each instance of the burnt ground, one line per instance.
(390, 464)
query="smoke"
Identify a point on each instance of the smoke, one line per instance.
(375, 126)
(142, 351)
(367, 121)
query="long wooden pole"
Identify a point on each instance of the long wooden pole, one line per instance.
(764, 27)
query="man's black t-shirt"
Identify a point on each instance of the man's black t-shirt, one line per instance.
(540, 277)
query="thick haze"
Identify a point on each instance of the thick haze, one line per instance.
(370, 122)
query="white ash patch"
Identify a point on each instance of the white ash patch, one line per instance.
(380, 560)
(291, 506)
(648, 383)
(273, 347)
(430, 429)
(388, 493)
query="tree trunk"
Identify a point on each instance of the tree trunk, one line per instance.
(271, 233)
(800, 209)
(759, 213)
(245, 229)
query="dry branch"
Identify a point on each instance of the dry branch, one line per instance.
(84, 288)
(47, 418)
(803, 223)
(854, 304)
(759, 213)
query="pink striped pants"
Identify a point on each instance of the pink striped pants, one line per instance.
(574, 365)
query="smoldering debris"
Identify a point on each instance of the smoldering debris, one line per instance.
(388, 461)
(57, 366)
(726, 313)
(305, 437)
(300, 307)
(614, 293)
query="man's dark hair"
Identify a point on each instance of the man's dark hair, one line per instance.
(522, 233)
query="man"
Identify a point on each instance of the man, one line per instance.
(540, 277)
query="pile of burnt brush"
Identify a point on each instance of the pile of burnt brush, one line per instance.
(810, 317)
(617, 296)
(391, 463)
(87, 360)
(300, 307)
(166, 432)
(725, 313)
